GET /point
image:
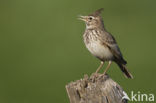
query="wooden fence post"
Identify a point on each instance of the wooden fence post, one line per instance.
(96, 89)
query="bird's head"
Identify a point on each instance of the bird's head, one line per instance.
(93, 20)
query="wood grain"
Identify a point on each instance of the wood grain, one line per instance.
(95, 89)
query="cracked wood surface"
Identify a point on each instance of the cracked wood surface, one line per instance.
(95, 89)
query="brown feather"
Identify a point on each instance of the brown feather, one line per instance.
(97, 12)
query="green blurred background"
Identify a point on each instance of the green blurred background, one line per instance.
(41, 46)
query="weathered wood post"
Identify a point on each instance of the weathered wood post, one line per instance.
(95, 89)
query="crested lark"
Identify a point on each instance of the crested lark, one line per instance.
(101, 43)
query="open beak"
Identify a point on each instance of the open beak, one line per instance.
(83, 18)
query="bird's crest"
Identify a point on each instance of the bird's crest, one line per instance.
(97, 12)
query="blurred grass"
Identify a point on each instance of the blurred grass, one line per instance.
(41, 46)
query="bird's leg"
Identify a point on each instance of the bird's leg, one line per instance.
(110, 62)
(98, 69)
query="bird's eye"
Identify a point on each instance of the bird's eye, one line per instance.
(90, 18)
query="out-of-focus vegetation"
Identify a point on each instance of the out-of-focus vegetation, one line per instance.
(41, 46)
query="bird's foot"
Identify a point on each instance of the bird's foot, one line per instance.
(104, 73)
(95, 74)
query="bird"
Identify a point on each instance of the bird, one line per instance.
(102, 44)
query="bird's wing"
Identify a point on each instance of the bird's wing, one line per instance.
(109, 41)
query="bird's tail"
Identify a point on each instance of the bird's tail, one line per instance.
(125, 70)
